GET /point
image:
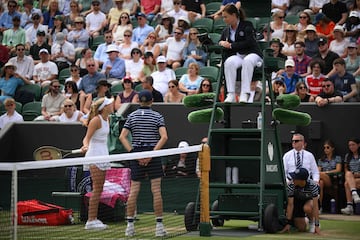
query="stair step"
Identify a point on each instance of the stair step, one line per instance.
(240, 185)
(224, 104)
(235, 158)
(235, 130)
(233, 213)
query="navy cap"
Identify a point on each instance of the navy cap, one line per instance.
(145, 96)
(300, 174)
(318, 17)
(140, 14)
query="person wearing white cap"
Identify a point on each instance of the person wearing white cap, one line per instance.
(240, 50)
(311, 41)
(352, 26)
(339, 44)
(95, 144)
(290, 76)
(181, 163)
(62, 52)
(114, 67)
(45, 71)
(10, 81)
(162, 76)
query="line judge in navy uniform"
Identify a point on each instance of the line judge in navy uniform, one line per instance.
(240, 50)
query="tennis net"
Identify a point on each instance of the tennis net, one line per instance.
(65, 183)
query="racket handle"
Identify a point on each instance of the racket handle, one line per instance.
(76, 151)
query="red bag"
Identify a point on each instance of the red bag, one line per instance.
(35, 212)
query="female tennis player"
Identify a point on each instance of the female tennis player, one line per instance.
(95, 144)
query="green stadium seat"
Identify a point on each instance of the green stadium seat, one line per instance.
(203, 25)
(180, 71)
(96, 41)
(210, 72)
(138, 87)
(116, 89)
(215, 38)
(212, 7)
(215, 59)
(253, 20)
(34, 88)
(263, 45)
(31, 110)
(292, 19)
(218, 26)
(64, 74)
(18, 108)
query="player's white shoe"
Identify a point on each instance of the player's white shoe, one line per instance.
(130, 230)
(95, 225)
(160, 230)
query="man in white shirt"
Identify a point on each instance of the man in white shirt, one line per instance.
(45, 71)
(31, 32)
(95, 21)
(11, 115)
(177, 12)
(62, 52)
(162, 76)
(173, 48)
(24, 64)
(298, 157)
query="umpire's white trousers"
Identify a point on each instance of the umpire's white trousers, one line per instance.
(247, 64)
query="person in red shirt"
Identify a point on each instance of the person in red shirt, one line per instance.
(150, 8)
(314, 80)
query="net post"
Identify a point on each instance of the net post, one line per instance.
(204, 159)
(14, 199)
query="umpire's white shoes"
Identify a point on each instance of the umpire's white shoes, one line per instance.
(245, 98)
(130, 230)
(160, 230)
(95, 225)
(230, 97)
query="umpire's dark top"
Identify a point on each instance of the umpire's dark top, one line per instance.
(245, 41)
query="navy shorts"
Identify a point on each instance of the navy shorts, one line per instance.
(152, 170)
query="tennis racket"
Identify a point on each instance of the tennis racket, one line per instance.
(50, 153)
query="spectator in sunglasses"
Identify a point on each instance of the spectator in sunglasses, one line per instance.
(328, 94)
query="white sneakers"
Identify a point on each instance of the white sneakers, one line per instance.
(356, 197)
(130, 230)
(230, 97)
(159, 231)
(95, 225)
(349, 210)
(244, 97)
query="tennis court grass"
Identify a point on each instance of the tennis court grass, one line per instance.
(233, 229)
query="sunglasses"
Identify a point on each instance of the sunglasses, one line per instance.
(73, 70)
(302, 17)
(206, 85)
(177, 3)
(136, 52)
(296, 140)
(152, 37)
(20, 49)
(124, 17)
(68, 105)
(78, 22)
(326, 86)
(107, 37)
(326, 147)
(193, 33)
(178, 33)
(302, 87)
(322, 44)
(9, 105)
(172, 86)
(96, 4)
(281, 17)
(56, 86)
(91, 65)
(127, 81)
(127, 35)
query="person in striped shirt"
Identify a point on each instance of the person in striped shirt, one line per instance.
(148, 131)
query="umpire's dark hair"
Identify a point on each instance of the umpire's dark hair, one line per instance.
(232, 9)
(150, 80)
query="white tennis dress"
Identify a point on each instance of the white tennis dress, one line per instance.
(98, 145)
